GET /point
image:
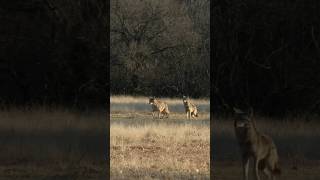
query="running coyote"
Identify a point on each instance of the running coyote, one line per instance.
(190, 108)
(256, 145)
(159, 106)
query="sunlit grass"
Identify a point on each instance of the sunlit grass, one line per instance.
(146, 148)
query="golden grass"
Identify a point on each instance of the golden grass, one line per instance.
(162, 133)
(147, 116)
(161, 150)
(145, 148)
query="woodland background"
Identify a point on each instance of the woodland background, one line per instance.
(266, 54)
(160, 48)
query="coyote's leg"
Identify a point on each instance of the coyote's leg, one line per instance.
(153, 114)
(187, 114)
(192, 114)
(159, 114)
(256, 168)
(245, 164)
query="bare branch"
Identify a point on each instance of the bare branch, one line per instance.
(165, 48)
(259, 64)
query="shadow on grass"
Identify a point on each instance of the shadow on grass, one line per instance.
(225, 146)
(69, 154)
(43, 144)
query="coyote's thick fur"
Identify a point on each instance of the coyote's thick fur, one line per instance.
(256, 145)
(159, 106)
(190, 108)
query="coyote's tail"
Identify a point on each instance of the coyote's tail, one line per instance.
(276, 170)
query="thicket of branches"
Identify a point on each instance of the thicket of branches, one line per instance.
(53, 52)
(266, 55)
(160, 48)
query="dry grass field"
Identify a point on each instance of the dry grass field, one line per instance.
(52, 143)
(297, 142)
(145, 148)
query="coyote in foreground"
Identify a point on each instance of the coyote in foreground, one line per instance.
(257, 145)
(190, 108)
(159, 106)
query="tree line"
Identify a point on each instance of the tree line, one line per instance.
(160, 48)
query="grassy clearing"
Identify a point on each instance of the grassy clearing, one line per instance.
(146, 148)
(140, 104)
(42, 143)
(297, 143)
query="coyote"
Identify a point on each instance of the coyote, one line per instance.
(257, 145)
(159, 106)
(190, 108)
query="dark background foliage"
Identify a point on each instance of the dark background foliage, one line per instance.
(266, 55)
(53, 52)
(160, 48)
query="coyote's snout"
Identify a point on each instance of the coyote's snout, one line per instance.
(190, 108)
(159, 106)
(256, 145)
